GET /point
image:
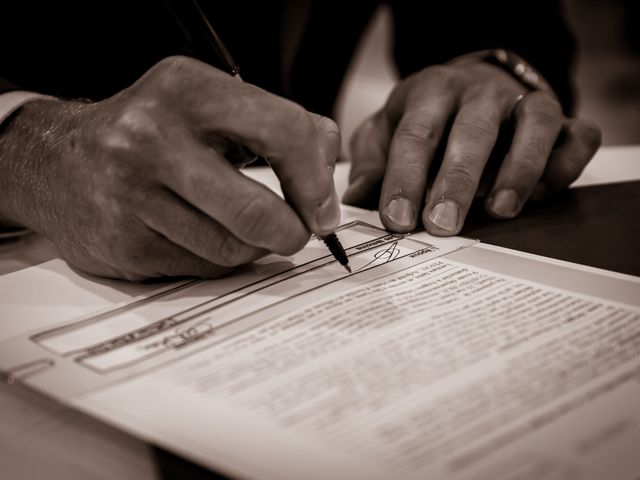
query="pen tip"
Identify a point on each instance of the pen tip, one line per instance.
(347, 268)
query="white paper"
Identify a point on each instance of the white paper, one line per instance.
(93, 347)
(434, 359)
(441, 370)
(611, 164)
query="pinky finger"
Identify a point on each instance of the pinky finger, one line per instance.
(580, 141)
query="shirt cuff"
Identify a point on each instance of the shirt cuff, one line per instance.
(11, 101)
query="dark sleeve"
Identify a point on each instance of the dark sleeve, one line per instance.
(83, 50)
(7, 86)
(429, 33)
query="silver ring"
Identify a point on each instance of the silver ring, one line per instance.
(516, 103)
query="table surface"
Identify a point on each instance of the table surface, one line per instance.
(596, 225)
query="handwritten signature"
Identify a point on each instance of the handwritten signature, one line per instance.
(384, 256)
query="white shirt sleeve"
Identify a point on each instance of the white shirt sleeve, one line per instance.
(11, 101)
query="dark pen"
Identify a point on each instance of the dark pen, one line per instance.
(331, 241)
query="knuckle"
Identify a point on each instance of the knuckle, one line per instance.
(542, 107)
(591, 136)
(534, 156)
(287, 130)
(301, 121)
(252, 220)
(133, 127)
(478, 127)
(565, 172)
(445, 75)
(544, 117)
(529, 157)
(484, 94)
(460, 178)
(490, 92)
(178, 77)
(328, 127)
(530, 164)
(138, 121)
(417, 132)
(420, 86)
(173, 67)
(230, 252)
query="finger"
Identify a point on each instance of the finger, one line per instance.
(330, 140)
(146, 254)
(287, 136)
(580, 141)
(172, 217)
(412, 148)
(90, 264)
(472, 138)
(271, 126)
(296, 148)
(159, 257)
(538, 122)
(250, 211)
(166, 259)
(304, 160)
(369, 149)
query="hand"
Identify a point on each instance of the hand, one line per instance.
(394, 150)
(138, 185)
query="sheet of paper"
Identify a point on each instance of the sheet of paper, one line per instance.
(68, 356)
(436, 358)
(611, 164)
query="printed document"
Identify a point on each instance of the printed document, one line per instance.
(437, 358)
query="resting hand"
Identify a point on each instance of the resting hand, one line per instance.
(138, 185)
(459, 109)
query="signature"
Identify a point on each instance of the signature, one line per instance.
(384, 256)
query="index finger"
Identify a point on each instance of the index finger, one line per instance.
(247, 209)
(296, 144)
(301, 151)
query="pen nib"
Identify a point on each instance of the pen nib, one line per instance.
(336, 249)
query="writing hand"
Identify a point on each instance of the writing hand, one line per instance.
(138, 185)
(393, 151)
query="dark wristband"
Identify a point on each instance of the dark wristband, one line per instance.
(511, 63)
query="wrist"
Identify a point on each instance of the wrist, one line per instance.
(31, 139)
(511, 63)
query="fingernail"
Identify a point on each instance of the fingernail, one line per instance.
(445, 215)
(328, 215)
(401, 212)
(505, 203)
